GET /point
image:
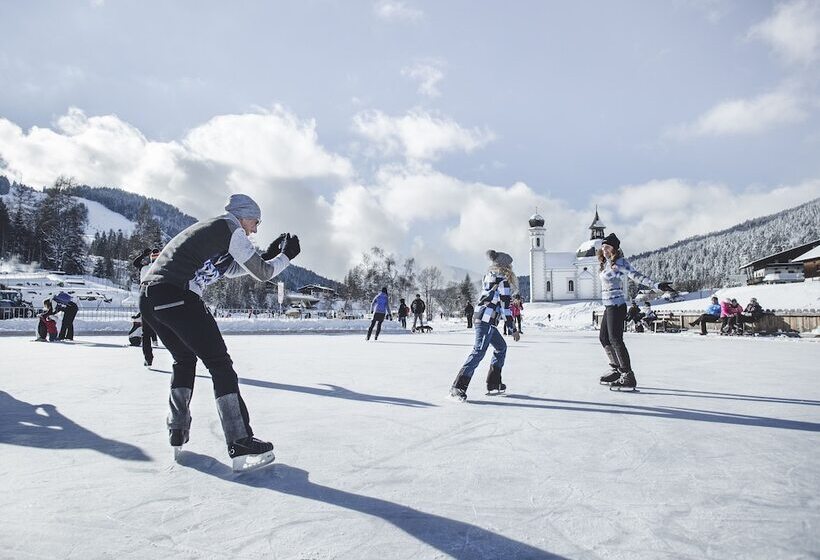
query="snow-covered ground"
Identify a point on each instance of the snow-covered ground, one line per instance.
(716, 457)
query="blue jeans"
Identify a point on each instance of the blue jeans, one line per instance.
(485, 335)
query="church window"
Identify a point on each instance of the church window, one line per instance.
(549, 286)
(537, 241)
(571, 286)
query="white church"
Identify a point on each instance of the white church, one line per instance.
(564, 277)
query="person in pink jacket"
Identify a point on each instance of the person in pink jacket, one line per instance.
(730, 312)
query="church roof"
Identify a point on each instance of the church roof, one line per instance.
(588, 248)
(536, 220)
(597, 223)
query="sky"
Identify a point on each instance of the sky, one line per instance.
(431, 129)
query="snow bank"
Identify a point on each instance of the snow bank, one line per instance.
(226, 325)
(802, 296)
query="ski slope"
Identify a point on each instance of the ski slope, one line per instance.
(716, 457)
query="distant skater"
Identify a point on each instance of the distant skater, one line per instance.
(493, 306)
(379, 308)
(613, 268)
(143, 264)
(469, 310)
(171, 302)
(404, 311)
(417, 306)
(69, 309)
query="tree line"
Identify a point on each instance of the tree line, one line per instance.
(379, 269)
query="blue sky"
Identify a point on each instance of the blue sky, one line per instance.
(430, 128)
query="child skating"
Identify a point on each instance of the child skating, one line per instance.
(493, 306)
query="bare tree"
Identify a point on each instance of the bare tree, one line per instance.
(429, 280)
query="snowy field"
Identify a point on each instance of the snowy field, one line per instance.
(717, 457)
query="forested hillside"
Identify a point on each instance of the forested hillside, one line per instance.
(710, 260)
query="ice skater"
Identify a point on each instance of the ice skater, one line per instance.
(69, 309)
(143, 264)
(170, 302)
(613, 268)
(380, 307)
(493, 306)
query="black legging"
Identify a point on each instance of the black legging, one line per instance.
(377, 322)
(612, 337)
(147, 334)
(67, 324)
(188, 330)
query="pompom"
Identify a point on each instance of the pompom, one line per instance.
(492, 255)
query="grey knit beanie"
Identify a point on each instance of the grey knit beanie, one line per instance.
(500, 259)
(243, 206)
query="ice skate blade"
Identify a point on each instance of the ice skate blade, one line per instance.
(177, 451)
(496, 393)
(456, 399)
(623, 389)
(246, 463)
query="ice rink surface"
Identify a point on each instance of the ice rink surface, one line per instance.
(717, 456)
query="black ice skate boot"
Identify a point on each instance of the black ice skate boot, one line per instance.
(615, 373)
(459, 389)
(250, 453)
(494, 384)
(626, 382)
(177, 438)
(610, 377)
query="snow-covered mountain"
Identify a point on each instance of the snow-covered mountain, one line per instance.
(714, 258)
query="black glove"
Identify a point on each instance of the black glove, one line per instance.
(275, 247)
(290, 246)
(666, 287)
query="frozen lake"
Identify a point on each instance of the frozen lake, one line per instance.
(718, 455)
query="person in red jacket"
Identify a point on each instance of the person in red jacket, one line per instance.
(730, 313)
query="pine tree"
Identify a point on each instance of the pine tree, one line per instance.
(61, 224)
(5, 229)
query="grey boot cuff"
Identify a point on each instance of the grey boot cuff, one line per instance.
(230, 414)
(179, 417)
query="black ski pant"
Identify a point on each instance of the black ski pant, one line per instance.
(612, 337)
(469, 320)
(418, 318)
(67, 324)
(147, 334)
(518, 323)
(378, 318)
(189, 331)
(703, 319)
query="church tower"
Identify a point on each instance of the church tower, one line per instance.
(597, 227)
(538, 259)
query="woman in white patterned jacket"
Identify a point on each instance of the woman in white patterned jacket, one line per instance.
(613, 268)
(493, 306)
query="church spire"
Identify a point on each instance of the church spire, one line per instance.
(597, 227)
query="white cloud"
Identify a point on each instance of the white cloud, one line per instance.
(793, 31)
(660, 212)
(409, 208)
(746, 116)
(418, 135)
(428, 74)
(395, 10)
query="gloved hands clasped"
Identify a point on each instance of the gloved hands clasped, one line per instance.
(286, 244)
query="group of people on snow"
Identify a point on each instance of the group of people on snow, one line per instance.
(730, 314)
(47, 323)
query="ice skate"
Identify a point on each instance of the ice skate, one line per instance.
(609, 378)
(147, 362)
(626, 382)
(177, 438)
(495, 390)
(494, 384)
(250, 453)
(457, 394)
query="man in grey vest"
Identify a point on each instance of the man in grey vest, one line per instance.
(170, 302)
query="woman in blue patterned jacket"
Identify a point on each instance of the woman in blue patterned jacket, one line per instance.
(493, 306)
(613, 268)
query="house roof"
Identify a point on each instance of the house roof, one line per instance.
(809, 255)
(783, 256)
